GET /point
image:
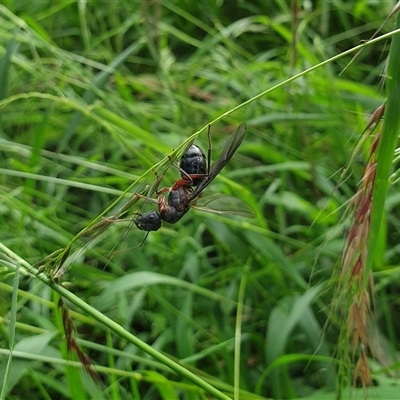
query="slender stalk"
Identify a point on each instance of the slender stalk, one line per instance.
(238, 330)
(116, 328)
(13, 318)
(387, 144)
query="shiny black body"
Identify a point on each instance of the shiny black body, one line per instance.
(170, 212)
(149, 221)
(193, 162)
(193, 172)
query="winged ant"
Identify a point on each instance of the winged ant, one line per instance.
(195, 177)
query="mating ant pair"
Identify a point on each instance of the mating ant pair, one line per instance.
(196, 175)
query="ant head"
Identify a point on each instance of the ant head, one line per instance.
(149, 221)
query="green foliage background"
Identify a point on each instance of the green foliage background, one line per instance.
(93, 97)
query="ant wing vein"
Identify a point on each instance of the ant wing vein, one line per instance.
(230, 147)
(221, 204)
(232, 143)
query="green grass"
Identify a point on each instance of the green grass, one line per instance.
(93, 98)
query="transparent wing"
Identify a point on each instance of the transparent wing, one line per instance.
(231, 145)
(220, 204)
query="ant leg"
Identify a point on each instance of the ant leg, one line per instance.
(163, 190)
(149, 199)
(185, 174)
(123, 211)
(187, 179)
(167, 189)
(161, 204)
(126, 208)
(154, 186)
(131, 248)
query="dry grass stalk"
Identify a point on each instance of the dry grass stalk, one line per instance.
(353, 273)
(72, 344)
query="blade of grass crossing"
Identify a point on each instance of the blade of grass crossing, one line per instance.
(116, 328)
(89, 96)
(387, 145)
(238, 330)
(5, 63)
(13, 317)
